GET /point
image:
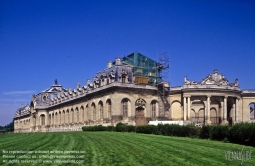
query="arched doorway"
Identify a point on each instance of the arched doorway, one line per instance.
(139, 112)
(42, 118)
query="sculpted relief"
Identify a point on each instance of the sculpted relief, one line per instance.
(213, 79)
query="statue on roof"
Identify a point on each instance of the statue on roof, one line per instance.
(56, 82)
(186, 81)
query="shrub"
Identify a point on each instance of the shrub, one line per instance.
(219, 132)
(120, 127)
(146, 129)
(205, 132)
(243, 133)
(130, 128)
(194, 131)
(110, 128)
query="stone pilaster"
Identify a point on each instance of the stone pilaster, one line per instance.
(184, 108)
(237, 110)
(188, 108)
(208, 110)
(225, 110)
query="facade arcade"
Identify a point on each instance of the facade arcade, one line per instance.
(128, 91)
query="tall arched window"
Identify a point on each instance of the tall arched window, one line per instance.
(77, 115)
(109, 108)
(82, 114)
(101, 113)
(42, 119)
(67, 117)
(153, 109)
(56, 119)
(125, 108)
(72, 116)
(63, 117)
(60, 119)
(93, 106)
(87, 113)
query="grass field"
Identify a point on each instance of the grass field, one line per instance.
(113, 148)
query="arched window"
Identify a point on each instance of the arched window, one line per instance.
(77, 115)
(93, 106)
(87, 114)
(82, 114)
(111, 77)
(125, 108)
(123, 76)
(109, 109)
(63, 117)
(60, 119)
(101, 113)
(72, 116)
(67, 117)
(42, 119)
(153, 109)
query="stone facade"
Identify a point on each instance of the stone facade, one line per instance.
(117, 95)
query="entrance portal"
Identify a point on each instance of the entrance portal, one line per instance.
(139, 116)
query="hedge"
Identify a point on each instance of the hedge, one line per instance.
(242, 133)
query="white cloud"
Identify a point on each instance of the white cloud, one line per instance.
(19, 92)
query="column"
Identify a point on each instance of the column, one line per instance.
(54, 119)
(189, 108)
(233, 114)
(253, 111)
(225, 110)
(208, 109)
(184, 108)
(237, 110)
(51, 120)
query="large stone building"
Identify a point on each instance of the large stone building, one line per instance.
(130, 91)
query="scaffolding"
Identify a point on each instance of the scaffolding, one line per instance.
(150, 72)
(163, 83)
(144, 68)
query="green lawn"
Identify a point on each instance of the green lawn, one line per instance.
(113, 148)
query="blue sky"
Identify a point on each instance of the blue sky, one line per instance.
(71, 41)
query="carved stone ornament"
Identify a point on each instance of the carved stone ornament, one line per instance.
(140, 103)
(96, 81)
(212, 79)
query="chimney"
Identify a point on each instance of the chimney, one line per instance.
(117, 61)
(109, 64)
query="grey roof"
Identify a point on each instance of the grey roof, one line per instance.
(22, 111)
